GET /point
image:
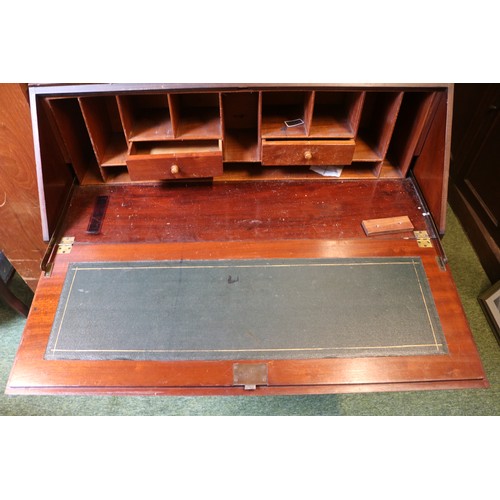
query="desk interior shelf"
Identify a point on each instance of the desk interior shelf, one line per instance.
(146, 117)
(384, 127)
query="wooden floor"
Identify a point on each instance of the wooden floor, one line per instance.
(243, 221)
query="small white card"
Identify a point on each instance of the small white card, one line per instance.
(327, 171)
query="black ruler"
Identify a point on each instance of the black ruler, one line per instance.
(97, 217)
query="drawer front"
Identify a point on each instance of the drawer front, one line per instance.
(165, 167)
(307, 152)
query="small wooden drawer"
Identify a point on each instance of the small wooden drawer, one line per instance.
(303, 152)
(152, 161)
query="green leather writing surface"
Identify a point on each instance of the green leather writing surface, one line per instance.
(246, 309)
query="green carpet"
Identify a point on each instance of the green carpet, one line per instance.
(471, 281)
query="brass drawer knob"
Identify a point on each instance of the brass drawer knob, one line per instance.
(174, 169)
(308, 155)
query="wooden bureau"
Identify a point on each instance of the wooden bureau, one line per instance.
(181, 172)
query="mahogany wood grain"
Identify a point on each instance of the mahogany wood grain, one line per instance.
(236, 219)
(308, 110)
(125, 111)
(73, 89)
(378, 118)
(260, 391)
(71, 127)
(365, 151)
(196, 111)
(240, 110)
(387, 225)
(251, 171)
(242, 211)
(105, 129)
(54, 178)
(355, 109)
(460, 368)
(280, 107)
(193, 159)
(226, 229)
(356, 171)
(146, 117)
(413, 117)
(20, 227)
(305, 152)
(241, 145)
(432, 166)
(196, 116)
(240, 113)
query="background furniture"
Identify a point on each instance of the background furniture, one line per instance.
(6, 274)
(475, 169)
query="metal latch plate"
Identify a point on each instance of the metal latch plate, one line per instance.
(423, 239)
(250, 375)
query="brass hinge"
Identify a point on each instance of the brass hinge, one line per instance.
(423, 239)
(65, 245)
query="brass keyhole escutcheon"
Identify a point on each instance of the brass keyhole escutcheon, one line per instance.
(308, 155)
(174, 169)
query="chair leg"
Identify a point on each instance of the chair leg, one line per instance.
(12, 300)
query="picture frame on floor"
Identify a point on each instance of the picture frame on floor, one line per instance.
(490, 303)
